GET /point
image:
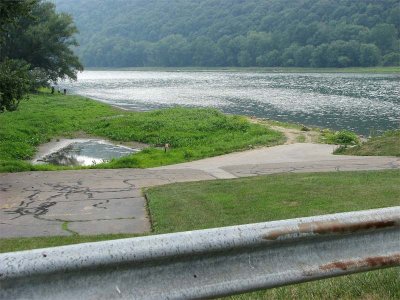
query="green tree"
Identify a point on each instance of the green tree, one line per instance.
(288, 55)
(244, 58)
(343, 54)
(392, 59)
(232, 29)
(15, 83)
(302, 56)
(206, 53)
(15, 79)
(11, 11)
(274, 58)
(319, 56)
(35, 46)
(383, 35)
(44, 41)
(174, 50)
(369, 55)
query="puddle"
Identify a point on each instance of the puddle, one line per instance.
(81, 152)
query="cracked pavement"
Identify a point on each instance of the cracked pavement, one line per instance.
(86, 202)
(89, 202)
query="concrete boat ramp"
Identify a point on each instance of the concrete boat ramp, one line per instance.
(90, 202)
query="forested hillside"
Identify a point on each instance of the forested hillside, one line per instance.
(301, 33)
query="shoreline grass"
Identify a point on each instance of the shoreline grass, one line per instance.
(193, 133)
(387, 144)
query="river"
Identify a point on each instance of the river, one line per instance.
(363, 103)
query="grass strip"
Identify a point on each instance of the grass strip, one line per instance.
(20, 244)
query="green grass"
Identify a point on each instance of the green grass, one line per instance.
(20, 244)
(199, 205)
(192, 133)
(375, 285)
(387, 144)
(343, 137)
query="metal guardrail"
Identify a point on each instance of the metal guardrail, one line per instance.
(207, 263)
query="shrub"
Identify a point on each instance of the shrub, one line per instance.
(343, 137)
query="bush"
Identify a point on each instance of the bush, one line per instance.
(343, 137)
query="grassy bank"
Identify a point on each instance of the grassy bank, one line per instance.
(387, 144)
(377, 70)
(192, 133)
(199, 205)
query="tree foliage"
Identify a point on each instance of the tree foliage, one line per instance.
(15, 82)
(11, 11)
(306, 33)
(35, 48)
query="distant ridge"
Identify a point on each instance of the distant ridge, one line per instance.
(301, 33)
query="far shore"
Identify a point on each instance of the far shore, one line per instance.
(372, 70)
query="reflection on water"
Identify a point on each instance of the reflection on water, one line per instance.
(359, 102)
(86, 153)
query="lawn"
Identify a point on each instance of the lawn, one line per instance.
(199, 205)
(191, 133)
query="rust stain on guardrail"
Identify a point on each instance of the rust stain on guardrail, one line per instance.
(373, 262)
(329, 227)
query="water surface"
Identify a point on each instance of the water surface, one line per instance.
(358, 102)
(83, 152)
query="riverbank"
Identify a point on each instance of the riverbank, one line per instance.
(372, 70)
(191, 133)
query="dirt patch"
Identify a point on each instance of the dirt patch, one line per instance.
(294, 134)
(297, 136)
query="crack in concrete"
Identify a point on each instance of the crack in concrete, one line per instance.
(98, 189)
(41, 209)
(97, 205)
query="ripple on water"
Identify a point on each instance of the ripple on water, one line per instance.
(360, 102)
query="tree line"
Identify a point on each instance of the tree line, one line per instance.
(35, 49)
(270, 33)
